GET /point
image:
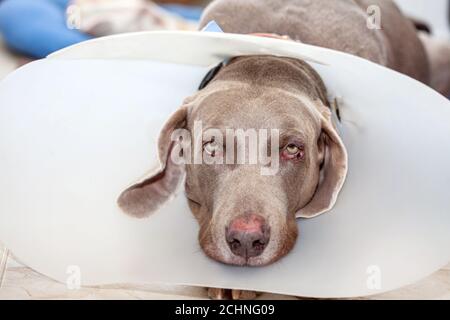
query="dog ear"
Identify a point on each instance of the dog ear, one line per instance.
(142, 199)
(332, 175)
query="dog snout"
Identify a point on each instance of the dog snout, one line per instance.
(247, 235)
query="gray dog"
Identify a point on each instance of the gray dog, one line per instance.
(247, 218)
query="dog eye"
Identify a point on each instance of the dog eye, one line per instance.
(211, 148)
(293, 151)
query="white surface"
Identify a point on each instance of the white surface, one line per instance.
(75, 133)
(21, 282)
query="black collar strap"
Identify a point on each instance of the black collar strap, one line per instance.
(211, 74)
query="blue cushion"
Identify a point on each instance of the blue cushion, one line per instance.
(37, 27)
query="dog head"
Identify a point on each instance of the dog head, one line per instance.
(274, 108)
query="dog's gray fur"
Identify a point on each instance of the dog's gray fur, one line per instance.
(287, 94)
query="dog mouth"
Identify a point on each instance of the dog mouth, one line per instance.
(234, 260)
(215, 254)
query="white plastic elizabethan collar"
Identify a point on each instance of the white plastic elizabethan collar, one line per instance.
(79, 126)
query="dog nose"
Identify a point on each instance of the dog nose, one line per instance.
(247, 235)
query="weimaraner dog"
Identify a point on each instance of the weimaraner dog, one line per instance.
(247, 218)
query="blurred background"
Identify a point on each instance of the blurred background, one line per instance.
(32, 29)
(36, 28)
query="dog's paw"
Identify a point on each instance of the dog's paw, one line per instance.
(229, 294)
(217, 294)
(243, 295)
